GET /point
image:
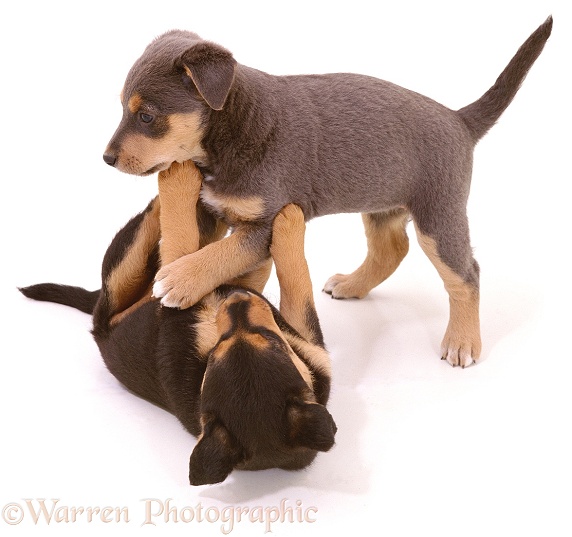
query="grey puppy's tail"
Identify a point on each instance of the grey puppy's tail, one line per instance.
(68, 295)
(481, 115)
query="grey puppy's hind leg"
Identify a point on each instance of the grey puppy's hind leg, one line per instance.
(450, 252)
(387, 245)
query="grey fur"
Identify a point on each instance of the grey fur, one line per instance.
(336, 143)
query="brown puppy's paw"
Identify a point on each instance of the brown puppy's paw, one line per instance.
(182, 173)
(174, 287)
(344, 286)
(175, 169)
(460, 352)
(287, 226)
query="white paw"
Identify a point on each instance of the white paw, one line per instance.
(457, 357)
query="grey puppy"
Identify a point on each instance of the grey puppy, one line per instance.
(329, 143)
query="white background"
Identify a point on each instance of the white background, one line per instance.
(422, 448)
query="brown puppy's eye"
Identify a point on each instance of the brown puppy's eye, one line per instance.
(145, 118)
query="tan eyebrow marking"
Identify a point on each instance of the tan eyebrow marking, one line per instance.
(134, 103)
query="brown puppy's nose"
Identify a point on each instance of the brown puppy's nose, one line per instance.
(110, 159)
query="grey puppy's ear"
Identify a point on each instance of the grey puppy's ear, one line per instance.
(211, 68)
(311, 426)
(215, 455)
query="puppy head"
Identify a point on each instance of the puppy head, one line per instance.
(167, 93)
(258, 406)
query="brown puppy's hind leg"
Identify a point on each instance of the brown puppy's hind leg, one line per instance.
(179, 189)
(170, 218)
(462, 342)
(128, 284)
(387, 245)
(296, 293)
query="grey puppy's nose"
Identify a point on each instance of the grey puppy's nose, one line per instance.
(110, 159)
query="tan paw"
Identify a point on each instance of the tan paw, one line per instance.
(288, 221)
(288, 231)
(343, 286)
(460, 352)
(180, 172)
(175, 288)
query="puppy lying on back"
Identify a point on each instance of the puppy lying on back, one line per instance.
(251, 382)
(335, 143)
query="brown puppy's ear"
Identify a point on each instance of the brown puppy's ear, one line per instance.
(211, 68)
(311, 426)
(214, 456)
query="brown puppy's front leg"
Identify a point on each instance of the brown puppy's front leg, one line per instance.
(179, 189)
(296, 293)
(182, 283)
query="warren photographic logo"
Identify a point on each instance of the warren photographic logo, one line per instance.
(156, 512)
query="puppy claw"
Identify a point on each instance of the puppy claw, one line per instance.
(332, 283)
(169, 303)
(344, 286)
(458, 357)
(159, 290)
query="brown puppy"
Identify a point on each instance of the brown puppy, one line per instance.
(249, 381)
(330, 143)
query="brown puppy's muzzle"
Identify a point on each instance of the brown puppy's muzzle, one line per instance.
(258, 409)
(241, 311)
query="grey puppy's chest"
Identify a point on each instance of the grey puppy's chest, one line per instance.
(235, 205)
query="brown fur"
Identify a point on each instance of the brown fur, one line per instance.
(231, 368)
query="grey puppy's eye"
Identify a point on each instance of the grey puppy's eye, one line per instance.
(145, 118)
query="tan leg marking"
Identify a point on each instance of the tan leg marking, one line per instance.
(185, 281)
(255, 279)
(179, 188)
(296, 292)
(387, 245)
(206, 326)
(126, 280)
(147, 297)
(317, 356)
(462, 342)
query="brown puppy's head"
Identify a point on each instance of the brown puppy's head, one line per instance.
(178, 79)
(258, 405)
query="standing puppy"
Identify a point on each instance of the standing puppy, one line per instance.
(251, 382)
(328, 143)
